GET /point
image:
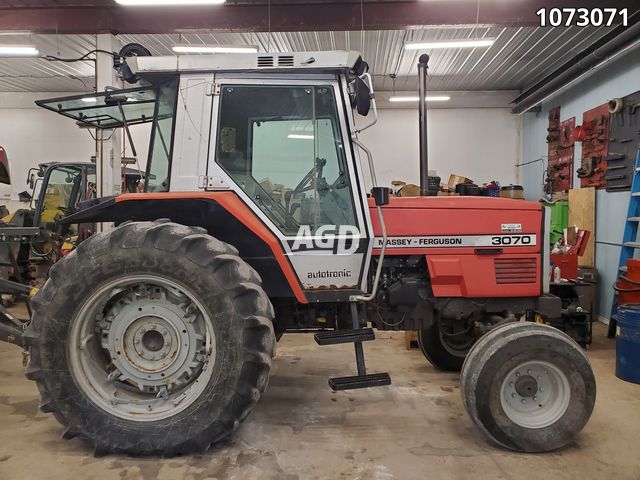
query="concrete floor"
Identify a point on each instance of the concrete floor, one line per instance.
(415, 429)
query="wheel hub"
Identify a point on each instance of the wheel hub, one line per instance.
(142, 348)
(153, 340)
(150, 336)
(526, 386)
(149, 341)
(535, 394)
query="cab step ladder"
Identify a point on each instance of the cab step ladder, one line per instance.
(357, 335)
(630, 241)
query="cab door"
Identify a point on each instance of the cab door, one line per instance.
(282, 146)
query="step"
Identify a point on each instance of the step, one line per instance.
(632, 244)
(360, 381)
(633, 219)
(623, 269)
(635, 194)
(336, 337)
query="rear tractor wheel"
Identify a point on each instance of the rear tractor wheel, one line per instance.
(152, 338)
(528, 387)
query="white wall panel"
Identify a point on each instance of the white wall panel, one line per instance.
(480, 143)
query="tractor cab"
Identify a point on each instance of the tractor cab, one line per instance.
(277, 130)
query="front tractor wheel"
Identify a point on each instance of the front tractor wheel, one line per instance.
(528, 387)
(152, 338)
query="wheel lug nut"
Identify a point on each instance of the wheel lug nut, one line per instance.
(524, 401)
(511, 384)
(513, 395)
(517, 374)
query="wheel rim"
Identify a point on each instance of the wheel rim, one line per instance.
(535, 394)
(142, 348)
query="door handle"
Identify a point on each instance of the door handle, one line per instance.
(488, 251)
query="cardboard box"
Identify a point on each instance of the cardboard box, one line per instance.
(456, 179)
(409, 190)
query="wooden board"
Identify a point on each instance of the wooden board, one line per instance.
(410, 340)
(582, 212)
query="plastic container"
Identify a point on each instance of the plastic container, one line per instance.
(628, 344)
(628, 285)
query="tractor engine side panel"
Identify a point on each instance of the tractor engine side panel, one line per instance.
(474, 246)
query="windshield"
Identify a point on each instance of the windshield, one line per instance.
(105, 110)
(154, 105)
(65, 187)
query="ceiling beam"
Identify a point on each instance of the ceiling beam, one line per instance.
(285, 16)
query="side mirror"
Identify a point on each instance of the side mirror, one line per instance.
(363, 97)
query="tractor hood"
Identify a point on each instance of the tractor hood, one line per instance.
(459, 202)
(464, 221)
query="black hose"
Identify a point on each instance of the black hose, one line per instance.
(626, 290)
(52, 58)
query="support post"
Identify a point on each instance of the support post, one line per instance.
(109, 143)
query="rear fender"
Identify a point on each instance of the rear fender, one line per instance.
(222, 214)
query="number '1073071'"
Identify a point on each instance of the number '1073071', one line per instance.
(582, 17)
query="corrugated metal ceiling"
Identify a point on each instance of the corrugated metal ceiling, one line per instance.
(519, 57)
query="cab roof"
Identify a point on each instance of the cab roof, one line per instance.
(242, 62)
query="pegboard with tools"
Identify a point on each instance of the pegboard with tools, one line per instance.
(624, 136)
(594, 135)
(559, 176)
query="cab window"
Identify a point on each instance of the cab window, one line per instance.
(160, 147)
(283, 146)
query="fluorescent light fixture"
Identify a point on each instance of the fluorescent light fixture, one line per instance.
(460, 43)
(300, 136)
(18, 51)
(89, 99)
(167, 3)
(214, 49)
(442, 98)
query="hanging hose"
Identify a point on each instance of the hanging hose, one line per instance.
(626, 290)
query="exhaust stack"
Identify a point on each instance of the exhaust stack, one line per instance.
(424, 148)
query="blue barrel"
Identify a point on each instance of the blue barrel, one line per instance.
(628, 344)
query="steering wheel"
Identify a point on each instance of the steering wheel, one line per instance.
(306, 183)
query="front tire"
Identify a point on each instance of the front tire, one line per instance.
(528, 387)
(151, 339)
